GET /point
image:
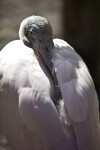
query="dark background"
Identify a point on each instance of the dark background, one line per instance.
(76, 21)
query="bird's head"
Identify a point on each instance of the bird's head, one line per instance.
(36, 32)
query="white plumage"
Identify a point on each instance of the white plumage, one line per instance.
(28, 116)
(79, 96)
(25, 94)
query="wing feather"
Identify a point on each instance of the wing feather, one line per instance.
(39, 114)
(74, 80)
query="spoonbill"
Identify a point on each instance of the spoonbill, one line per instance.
(33, 71)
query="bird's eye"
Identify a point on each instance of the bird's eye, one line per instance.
(31, 33)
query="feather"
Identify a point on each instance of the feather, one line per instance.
(80, 103)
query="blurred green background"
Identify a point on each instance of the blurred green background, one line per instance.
(77, 22)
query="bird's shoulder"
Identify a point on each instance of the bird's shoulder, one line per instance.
(15, 57)
(18, 65)
(63, 51)
(67, 62)
(15, 49)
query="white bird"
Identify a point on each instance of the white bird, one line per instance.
(29, 76)
(28, 117)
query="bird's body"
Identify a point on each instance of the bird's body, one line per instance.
(19, 69)
(28, 116)
(22, 76)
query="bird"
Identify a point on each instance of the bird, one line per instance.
(29, 119)
(79, 108)
(34, 71)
